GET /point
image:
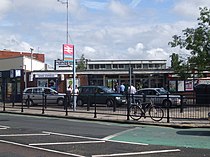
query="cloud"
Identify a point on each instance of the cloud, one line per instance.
(134, 3)
(4, 7)
(118, 8)
(94, 4)
(190, 8)
(14, 44)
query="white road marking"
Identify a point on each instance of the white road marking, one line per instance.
(120, 133)
(63, 143)
(138, 153)
(4, 127)
(67, 135)
(20, 135)
(42, 149)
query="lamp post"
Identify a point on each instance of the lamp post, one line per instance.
(67, 18)
(31, 58)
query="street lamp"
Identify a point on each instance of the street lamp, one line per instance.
(31, 57)
(67, 18)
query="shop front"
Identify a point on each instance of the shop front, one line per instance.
(12, 84)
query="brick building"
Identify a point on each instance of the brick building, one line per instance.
(11, 54)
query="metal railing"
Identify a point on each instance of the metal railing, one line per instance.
(186, 109)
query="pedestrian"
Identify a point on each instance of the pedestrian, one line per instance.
(117, 87)
(122, 88)
(132, 91)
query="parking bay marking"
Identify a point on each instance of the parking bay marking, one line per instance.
(63, 143)
(4, 127)
(42, 149)
(76, 155)
(138, 153)
(20, 135)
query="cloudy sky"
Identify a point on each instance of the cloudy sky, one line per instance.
(99, 29)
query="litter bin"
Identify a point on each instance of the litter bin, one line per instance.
(202, 94)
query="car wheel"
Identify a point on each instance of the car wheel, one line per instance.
(109, 103)
(29, 102)
(167, 103)
(79, 102)
(60, 102)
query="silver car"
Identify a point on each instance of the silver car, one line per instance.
(159, 96)
(34, 95)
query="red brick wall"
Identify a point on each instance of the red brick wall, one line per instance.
(10, 54)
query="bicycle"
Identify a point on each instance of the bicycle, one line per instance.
(138, 110)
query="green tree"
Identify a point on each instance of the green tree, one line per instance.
(197, 41)
(81, 63)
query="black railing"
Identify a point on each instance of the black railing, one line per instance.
(180, 108)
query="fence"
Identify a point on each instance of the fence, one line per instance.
(179, 108)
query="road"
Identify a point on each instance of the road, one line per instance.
(23, 136)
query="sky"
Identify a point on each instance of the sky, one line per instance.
(99, 29)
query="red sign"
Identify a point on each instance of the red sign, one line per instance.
(68, 52)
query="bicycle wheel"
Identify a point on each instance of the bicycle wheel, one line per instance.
(156, 113)
(135, 112)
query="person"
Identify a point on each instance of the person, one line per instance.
(122, 88)
(69, 89)
(132, 91)
(117, 87)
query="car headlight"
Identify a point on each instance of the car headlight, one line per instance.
(117, 98)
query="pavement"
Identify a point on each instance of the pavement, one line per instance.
(84, 115)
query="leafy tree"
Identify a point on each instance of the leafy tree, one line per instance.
(81, 63)
(197, 41)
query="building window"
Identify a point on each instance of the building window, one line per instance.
(90, 66)
(102, 66)
(127, 66)
(108, 66)
(157, 66)
(150, 66)
(115, 66)
(145, 66)
(138, 66)
(121, 66)
(96, 66)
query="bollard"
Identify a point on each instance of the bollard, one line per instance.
(43, 104)
(182, 105)
(209, 116)
(114, 106)
(128, 107)
(88, 103)
(66, 103)
(95, 116)
(168, 117)
(28, 101)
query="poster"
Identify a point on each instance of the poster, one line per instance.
(172, 86)
(189, 85)
(180, 86)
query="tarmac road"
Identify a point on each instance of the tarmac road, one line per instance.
(34, 136)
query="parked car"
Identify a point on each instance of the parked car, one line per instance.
(99, 95)
(159, 96)
(35, 96)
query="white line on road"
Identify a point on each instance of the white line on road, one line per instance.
(20, 135)
(138, 153)
(120, 133)
(67, 135)
(4, 127)
(42, 149)
(63, 143)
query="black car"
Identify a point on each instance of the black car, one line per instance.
(99, 95)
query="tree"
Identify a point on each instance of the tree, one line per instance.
(81, 63)
(197, 41)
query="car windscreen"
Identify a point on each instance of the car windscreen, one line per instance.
(162, 91)
(107, 90)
